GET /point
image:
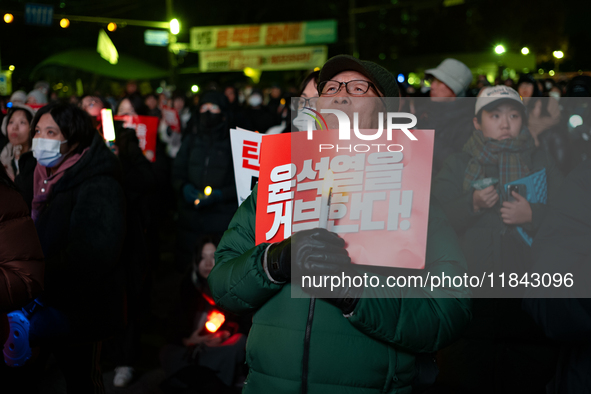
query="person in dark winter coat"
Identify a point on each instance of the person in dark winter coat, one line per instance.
(446, 111)
(346, 344)
(21, 257)
(562, 245)
(502, 350)
(79, 212)
(204, 160)
(21, 270)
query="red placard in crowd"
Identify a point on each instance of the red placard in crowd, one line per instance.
(146, 129)
(378, 193)
(172, 119)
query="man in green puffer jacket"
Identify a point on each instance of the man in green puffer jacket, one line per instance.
(357, 343)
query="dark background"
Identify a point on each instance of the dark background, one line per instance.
(390, 30)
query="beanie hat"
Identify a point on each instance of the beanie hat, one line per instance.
(383, 79)
(215, 97)
(38, 95)
(455, 74)
(19, 96)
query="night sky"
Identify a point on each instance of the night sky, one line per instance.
(396, 29)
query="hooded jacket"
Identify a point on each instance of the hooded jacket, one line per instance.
(21, 257)
(205, 159)
(370, 352)
(81, 228)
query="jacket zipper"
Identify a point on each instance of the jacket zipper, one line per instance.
(307, 336)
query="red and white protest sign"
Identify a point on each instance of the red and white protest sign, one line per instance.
(146, 129)
(172, 119)
(379, 193)
(246, 147)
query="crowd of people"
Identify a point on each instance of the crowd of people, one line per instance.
(81, 219)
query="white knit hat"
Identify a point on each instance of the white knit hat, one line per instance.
(455, 74)
(19, 96)
(15, 106)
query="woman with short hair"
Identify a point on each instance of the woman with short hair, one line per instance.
(79, 212)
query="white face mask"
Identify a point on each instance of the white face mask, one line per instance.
(47, 151)
(301, 121)
(255, 100)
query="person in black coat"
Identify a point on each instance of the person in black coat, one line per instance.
(562, 246)
(204, 160)
(79, 212)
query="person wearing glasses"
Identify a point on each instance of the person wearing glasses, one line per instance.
(307, 100)
(366, 340)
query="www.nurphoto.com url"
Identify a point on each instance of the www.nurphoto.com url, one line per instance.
(432, 282)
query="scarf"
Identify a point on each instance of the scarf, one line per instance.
(506, 154)
(43, 182)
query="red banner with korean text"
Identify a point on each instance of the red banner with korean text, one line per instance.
(146, 129)
(377, 193)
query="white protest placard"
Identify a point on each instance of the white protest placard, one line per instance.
(246, 149)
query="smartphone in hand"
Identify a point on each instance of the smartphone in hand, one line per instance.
(520, 189)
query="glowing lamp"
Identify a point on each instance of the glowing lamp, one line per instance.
(207, 190)
(8, 18)
(175, 26)
(194, 88)
(108, 126)
(112, 26)
(524, 50)
(197, 201)
(499, 49)
(64, 23)
(558, 54)
(215, 320)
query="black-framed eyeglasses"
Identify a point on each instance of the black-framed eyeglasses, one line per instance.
(307, 102)
(354, 88)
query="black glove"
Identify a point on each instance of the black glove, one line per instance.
(315, 252)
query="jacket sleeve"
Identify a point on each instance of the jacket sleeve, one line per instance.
(238, 282)
(447, 190)
(180, 166)
(21, 256)
(417, 318)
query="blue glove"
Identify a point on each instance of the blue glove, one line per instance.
(190, 193)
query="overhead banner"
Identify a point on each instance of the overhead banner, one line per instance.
(276, 34)
(246, 148)
(300, 58)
